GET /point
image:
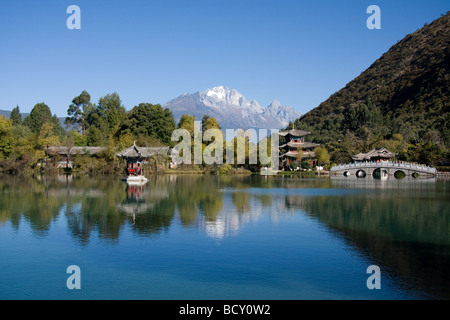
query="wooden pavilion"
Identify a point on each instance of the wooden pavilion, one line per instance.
(136, 157)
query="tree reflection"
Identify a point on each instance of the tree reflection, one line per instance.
(403, 228)
(31, 201)
(211, 205)
(91, 206)
(105, 204)
(401, 232)
(240, 201)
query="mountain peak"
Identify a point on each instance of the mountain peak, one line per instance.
(274, 105)
(225, 95)
(220, 92)
(232, 110)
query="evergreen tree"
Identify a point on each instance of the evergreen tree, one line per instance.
(39, 115)
(16, 117)
(150, 120)
(109, 115)
(204, 120)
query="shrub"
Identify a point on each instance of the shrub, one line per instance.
(224, 169)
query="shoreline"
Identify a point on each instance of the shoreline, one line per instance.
(444, 175)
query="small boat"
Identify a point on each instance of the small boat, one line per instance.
(135, 179)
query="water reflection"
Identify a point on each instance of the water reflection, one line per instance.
(403, 226)
(370, 183)
(134, 204)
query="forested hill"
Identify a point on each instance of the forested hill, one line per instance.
(403, 97)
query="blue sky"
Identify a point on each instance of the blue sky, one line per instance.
(298, 52)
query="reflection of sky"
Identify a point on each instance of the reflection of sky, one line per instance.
(231, 219)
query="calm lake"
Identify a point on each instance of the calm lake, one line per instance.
(207, 237)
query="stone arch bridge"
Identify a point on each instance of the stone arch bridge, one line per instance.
(383, 170)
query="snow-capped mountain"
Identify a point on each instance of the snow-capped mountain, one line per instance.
(232, 110)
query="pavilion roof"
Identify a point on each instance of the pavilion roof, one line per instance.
(64, 150)
(294, 132)
(300, 145)
(294, 155)
(374, 153)
(142, 152)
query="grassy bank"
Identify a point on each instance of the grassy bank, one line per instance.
(304, 174)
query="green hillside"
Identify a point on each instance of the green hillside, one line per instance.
(401, 102)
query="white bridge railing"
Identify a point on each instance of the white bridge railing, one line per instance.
(385, 164)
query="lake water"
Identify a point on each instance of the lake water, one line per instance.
(206, 237)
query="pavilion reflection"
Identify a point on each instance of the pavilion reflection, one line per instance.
(134, 203)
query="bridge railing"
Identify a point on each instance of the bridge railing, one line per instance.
(385, 164)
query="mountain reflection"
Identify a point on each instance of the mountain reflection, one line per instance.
(401, 226)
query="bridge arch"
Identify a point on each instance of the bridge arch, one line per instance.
(380, 173)
(399, 174)
(361, 174)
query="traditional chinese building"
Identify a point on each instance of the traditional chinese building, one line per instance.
(66, 154)
(136, 157)
(378, 154)
(294, 145)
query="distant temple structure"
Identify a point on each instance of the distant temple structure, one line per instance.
(294, 144)
(377, 154)
(66, 153)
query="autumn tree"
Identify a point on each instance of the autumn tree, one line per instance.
(322, 156)
(6, 139)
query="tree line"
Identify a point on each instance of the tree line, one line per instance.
(107, 123)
